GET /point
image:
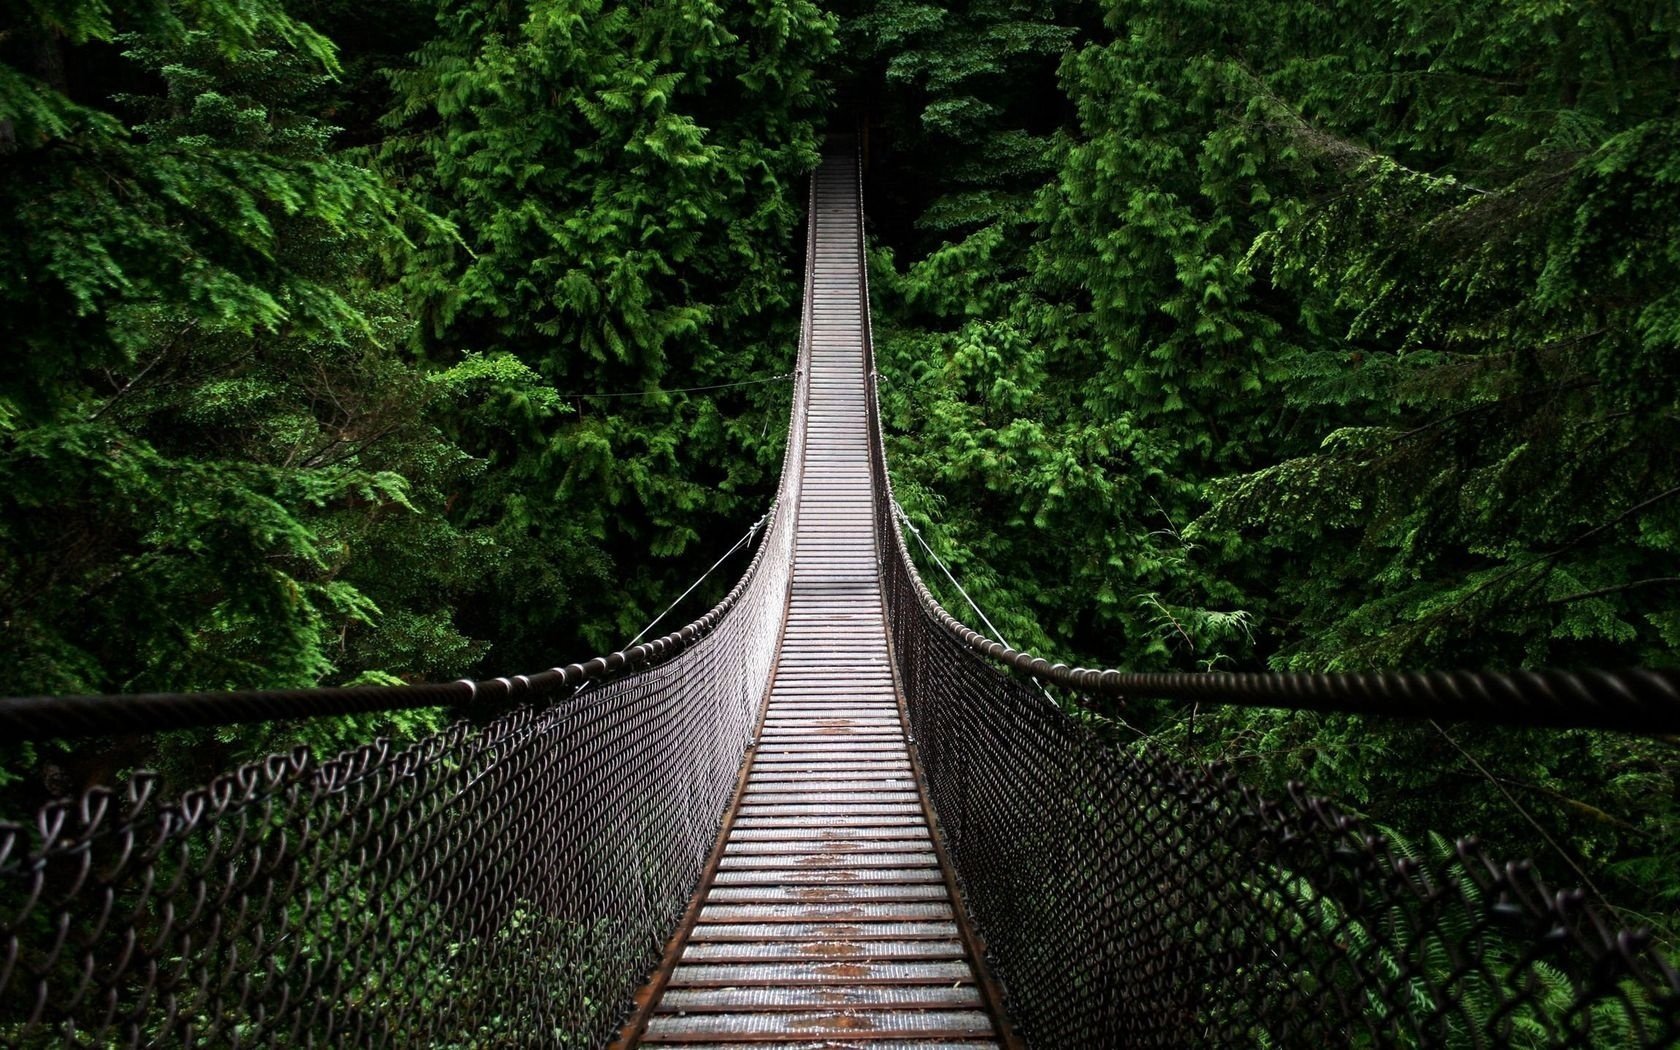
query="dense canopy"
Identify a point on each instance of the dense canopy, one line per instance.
(359, 343)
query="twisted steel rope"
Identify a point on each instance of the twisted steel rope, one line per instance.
(507, 881)
(1131, 899)
(67, 717)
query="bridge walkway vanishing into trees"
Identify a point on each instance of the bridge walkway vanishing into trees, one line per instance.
(927, 839)
(828, 911)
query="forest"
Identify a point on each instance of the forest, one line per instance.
(378, 343)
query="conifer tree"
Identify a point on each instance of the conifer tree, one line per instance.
(215, 467)
(1342, 338)
(627, 180)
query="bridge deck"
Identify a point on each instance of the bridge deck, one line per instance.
(829, 916)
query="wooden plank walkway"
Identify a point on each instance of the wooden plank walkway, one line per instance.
(829, 922)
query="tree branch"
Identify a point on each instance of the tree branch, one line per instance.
(1599, 592)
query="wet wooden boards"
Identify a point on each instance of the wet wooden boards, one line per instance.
(828, 923)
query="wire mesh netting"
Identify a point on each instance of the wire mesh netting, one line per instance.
(509, 882)
(508, 885)
(1126, 898)
(504, 884)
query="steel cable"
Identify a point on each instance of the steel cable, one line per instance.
(1131, 899)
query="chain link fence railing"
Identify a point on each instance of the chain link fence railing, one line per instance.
(1129, 899)
(507, 882)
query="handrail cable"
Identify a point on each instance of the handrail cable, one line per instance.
(1131, 897)
(1641, 700)
(27, 718)
(509, 879)
(904, 518)
(686, 389)
(505, 879)
(745, 540)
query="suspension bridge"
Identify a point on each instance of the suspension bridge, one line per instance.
(825, 814)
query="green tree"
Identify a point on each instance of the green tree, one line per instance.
(216, 470)
(627, 180)
(963, 98)
(1343, 336)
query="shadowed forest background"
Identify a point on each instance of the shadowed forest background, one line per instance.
(1280, 335)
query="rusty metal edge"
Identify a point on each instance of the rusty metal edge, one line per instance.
(647, 997)
(939, 1035)
(781, 1008)
(815, 982)
(991, 991)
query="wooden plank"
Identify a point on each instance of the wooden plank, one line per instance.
(828, 912)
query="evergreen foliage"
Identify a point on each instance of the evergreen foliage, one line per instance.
(1291, 336)
(208, 445)
(1341, 337)
(627, 181)
(296, 335)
